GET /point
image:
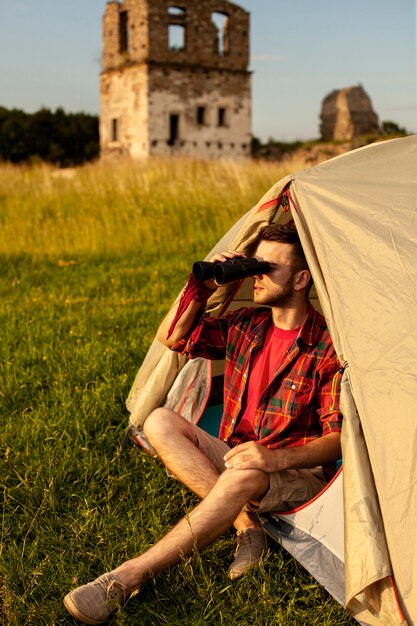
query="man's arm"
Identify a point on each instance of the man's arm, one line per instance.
(252, 455)
(188, 316)
(182, 326)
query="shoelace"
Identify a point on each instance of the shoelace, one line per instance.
(243, 539)
(111, 588)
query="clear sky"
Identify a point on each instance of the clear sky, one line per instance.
(300, 51)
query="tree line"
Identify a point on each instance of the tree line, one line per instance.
(68, 139)
(65, 139)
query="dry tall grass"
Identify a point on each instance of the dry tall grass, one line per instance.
(126, 205)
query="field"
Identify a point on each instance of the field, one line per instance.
(90, 262)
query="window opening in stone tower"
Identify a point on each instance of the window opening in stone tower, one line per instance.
(176, 11)
(114, 130)
(176, 37)
(221, 117)
(176, 28)
(174, 126)
(221, 22)
(124, 32)
(201, 115)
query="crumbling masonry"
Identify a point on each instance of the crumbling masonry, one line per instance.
(347, 113)
(175, 79)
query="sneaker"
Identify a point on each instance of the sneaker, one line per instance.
(95, 602)
(251, 546)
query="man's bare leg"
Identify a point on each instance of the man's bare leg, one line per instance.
(208, 521)
(94, 602)
(175, 441)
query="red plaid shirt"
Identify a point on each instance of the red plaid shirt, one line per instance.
(300, 404)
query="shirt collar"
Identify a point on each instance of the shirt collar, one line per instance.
(306, 333)
(307, 329)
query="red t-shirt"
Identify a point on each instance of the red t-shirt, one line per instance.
(261, 372)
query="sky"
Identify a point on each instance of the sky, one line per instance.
(301, 50)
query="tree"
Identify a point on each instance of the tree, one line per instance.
(62, 138)
(391, 128)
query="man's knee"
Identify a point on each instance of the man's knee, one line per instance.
(253, 484)
(163, 423)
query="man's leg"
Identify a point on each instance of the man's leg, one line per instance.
(176, 442)
(206, 522)
(96, 601)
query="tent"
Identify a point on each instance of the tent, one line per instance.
(356, 216)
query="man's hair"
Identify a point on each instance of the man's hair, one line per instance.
(285, 234)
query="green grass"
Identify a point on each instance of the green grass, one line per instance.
(88, 267)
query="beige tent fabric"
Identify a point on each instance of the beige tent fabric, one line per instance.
(357, 217)
(367, 572)
(153, 381)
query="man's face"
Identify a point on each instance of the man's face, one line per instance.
(277, 287)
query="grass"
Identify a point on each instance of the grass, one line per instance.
(89, 264)
(118, 207)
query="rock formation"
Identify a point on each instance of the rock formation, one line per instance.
(347, 113)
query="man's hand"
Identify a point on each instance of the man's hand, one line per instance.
(251, 455)
(222, 257)
(186, 319)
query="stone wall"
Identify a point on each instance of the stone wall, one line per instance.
(212, 109)
(175, 78)
(347, 113)
(200, 33)
(124, 101)
(148, 33)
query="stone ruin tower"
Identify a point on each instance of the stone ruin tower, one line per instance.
(347, 113)
(175, 79)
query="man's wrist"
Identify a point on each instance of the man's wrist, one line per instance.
(201, 293)
(193, 290)
(284, 460)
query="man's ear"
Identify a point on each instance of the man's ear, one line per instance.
(301, 280)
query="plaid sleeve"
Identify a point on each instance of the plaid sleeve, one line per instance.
(211, 337)
(328, 393)
(208, 339)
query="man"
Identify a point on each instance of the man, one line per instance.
(280, 431)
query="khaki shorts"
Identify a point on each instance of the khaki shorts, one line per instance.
(287, 489)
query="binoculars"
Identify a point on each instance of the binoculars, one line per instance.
(230, 270)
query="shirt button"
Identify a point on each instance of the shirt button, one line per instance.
(293, 386)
